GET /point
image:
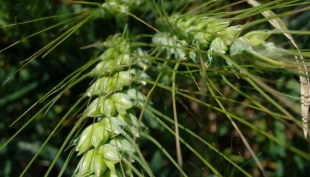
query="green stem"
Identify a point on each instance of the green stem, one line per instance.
(175, 116)
(164, 151)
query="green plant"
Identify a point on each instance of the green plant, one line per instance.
(209, 67)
